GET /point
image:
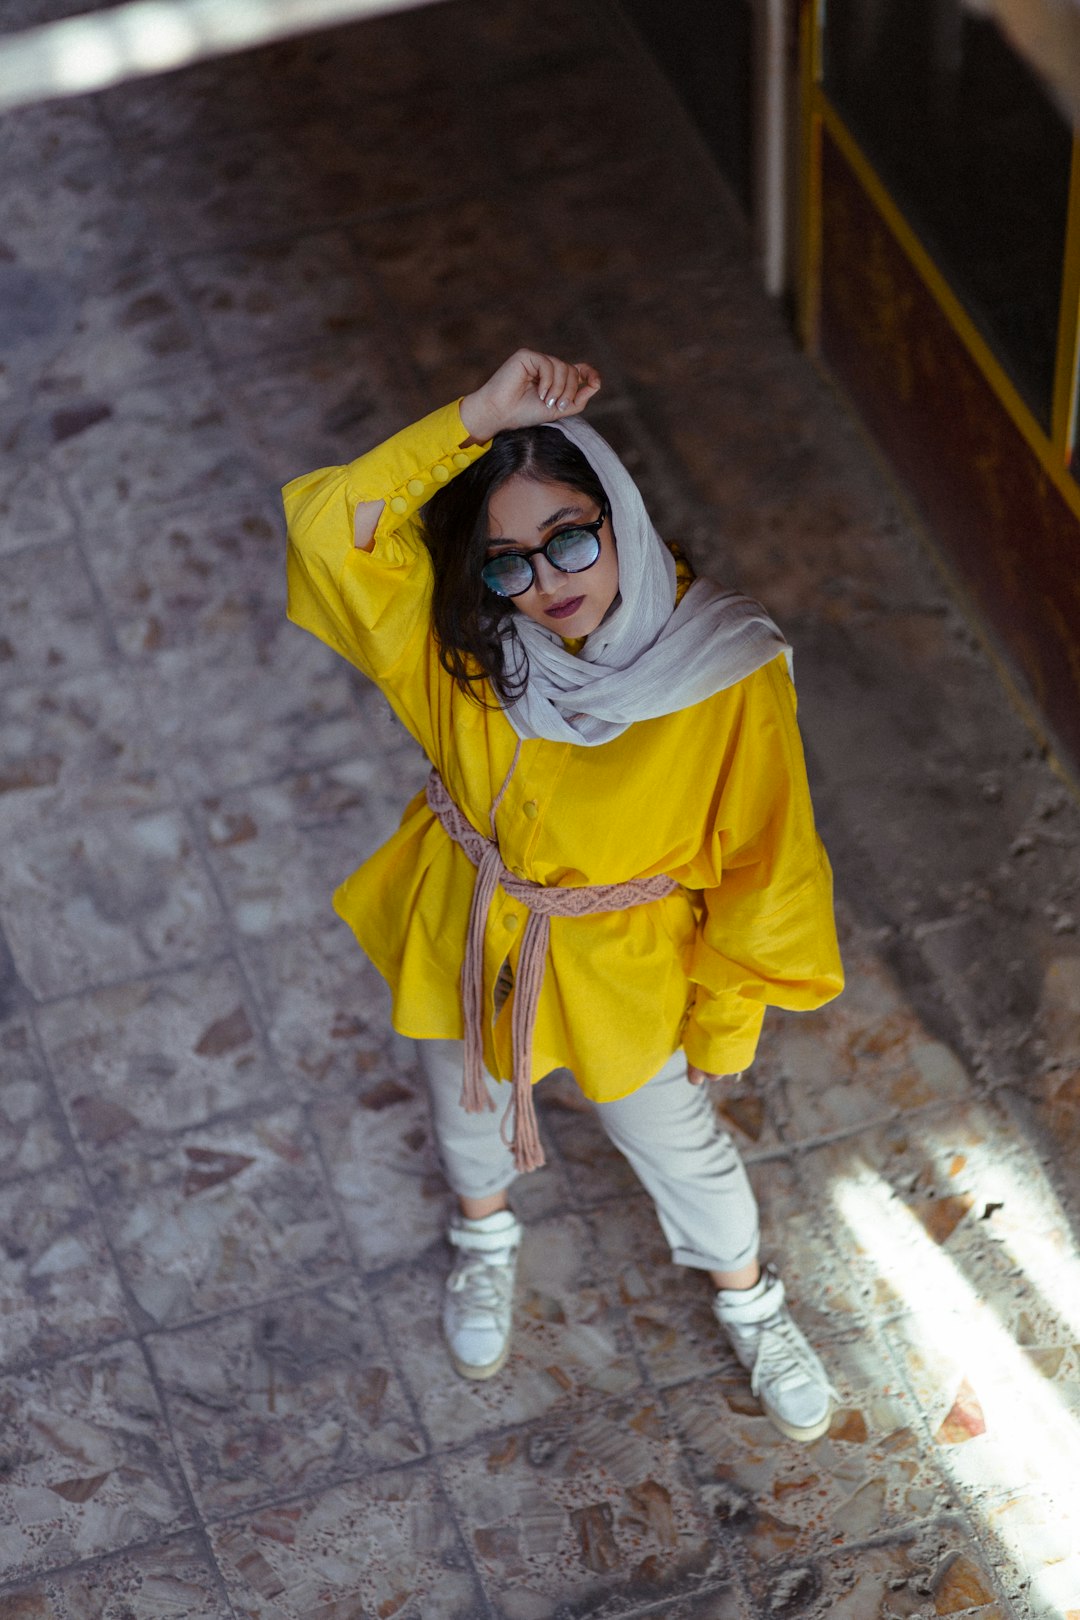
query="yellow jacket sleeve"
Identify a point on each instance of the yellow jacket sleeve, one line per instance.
(767, 935)
(372, 607)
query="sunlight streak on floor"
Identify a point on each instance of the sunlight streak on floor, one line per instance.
(143, 37)
(998, 1421)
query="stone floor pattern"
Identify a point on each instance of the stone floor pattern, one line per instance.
(221, 1382)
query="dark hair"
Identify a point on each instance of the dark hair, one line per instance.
(469, 620)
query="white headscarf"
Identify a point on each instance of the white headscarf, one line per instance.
(649, 657)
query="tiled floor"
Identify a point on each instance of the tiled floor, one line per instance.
(222, 1387)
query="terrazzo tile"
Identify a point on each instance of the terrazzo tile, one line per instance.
(1050, 1096)
(861, 1059)
(750, 1107)
(76, 748)
(774, 463)
(398, 154)
(527, 116)
(313, 287)
(784, 1501)
(581, 215)
(1002, 1416)
(70, 205)
(718, 1603)
(669, 1307)
(451, 259)
(595, 1169)
(955, 1191)
(130, 320)
(33, 507)
(378, 1143)
(387, 1546)
(198, 578)
(59, 1291)
(698, 321)
(324, 406)
(105, 900)
(247, 714)
(394, 60)
(271, 86)
(88, 1464)
(457, 350)
(326, 1009)
(810, 1248)
(173, 1581)
(218, 1217)
(157, 1054)
(228, 189)
(1033, 1541)
(938, 1570)
(50, 624)
(383, 1166)
(285, 1398)
(589, 1516)
(32, 1135)
(279, 850)
(163, 441)
(569, 1346)
(499, 38)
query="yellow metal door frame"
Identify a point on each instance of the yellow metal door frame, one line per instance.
(819, 117)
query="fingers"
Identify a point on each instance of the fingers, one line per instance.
(528, 388)
(588, 384)
(564, 388)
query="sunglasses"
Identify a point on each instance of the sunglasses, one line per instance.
(570, 550)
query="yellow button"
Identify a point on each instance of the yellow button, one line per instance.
(510, 923)
(440, 473)
(518, 871)
(399, 504)
(531, 809)
(461, 460)
(415, 486)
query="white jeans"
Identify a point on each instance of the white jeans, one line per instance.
(668, 1131)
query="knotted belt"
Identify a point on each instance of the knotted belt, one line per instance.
(542, 904)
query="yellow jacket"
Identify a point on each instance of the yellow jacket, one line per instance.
(715, 796)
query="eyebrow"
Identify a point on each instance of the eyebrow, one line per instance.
(548, 523)
(557, 517)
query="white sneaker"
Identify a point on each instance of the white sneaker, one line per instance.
(478, 1303)
(786, 1375)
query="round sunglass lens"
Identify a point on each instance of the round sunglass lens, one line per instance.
(508, 576)
(575, 550)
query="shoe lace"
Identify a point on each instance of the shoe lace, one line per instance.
(485, 1286)
(782, 1358)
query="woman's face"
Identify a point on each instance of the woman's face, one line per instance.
(523, 514)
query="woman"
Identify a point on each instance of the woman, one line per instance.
(614, 867)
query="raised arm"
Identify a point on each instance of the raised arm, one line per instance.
(529, 388)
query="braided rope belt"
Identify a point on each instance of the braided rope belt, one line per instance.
(542, 903)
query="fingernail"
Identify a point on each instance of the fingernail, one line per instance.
(563, 403)
(551, 402)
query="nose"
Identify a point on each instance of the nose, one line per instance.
(547, 577)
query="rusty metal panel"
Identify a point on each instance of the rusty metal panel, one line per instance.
(1009, 533)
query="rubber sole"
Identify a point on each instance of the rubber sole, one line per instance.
(804, 1436)
(465, 1370)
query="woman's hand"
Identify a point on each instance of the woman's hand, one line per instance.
(528, 389)
(698, 1077)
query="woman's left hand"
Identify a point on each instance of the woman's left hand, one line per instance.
(698, 1077)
